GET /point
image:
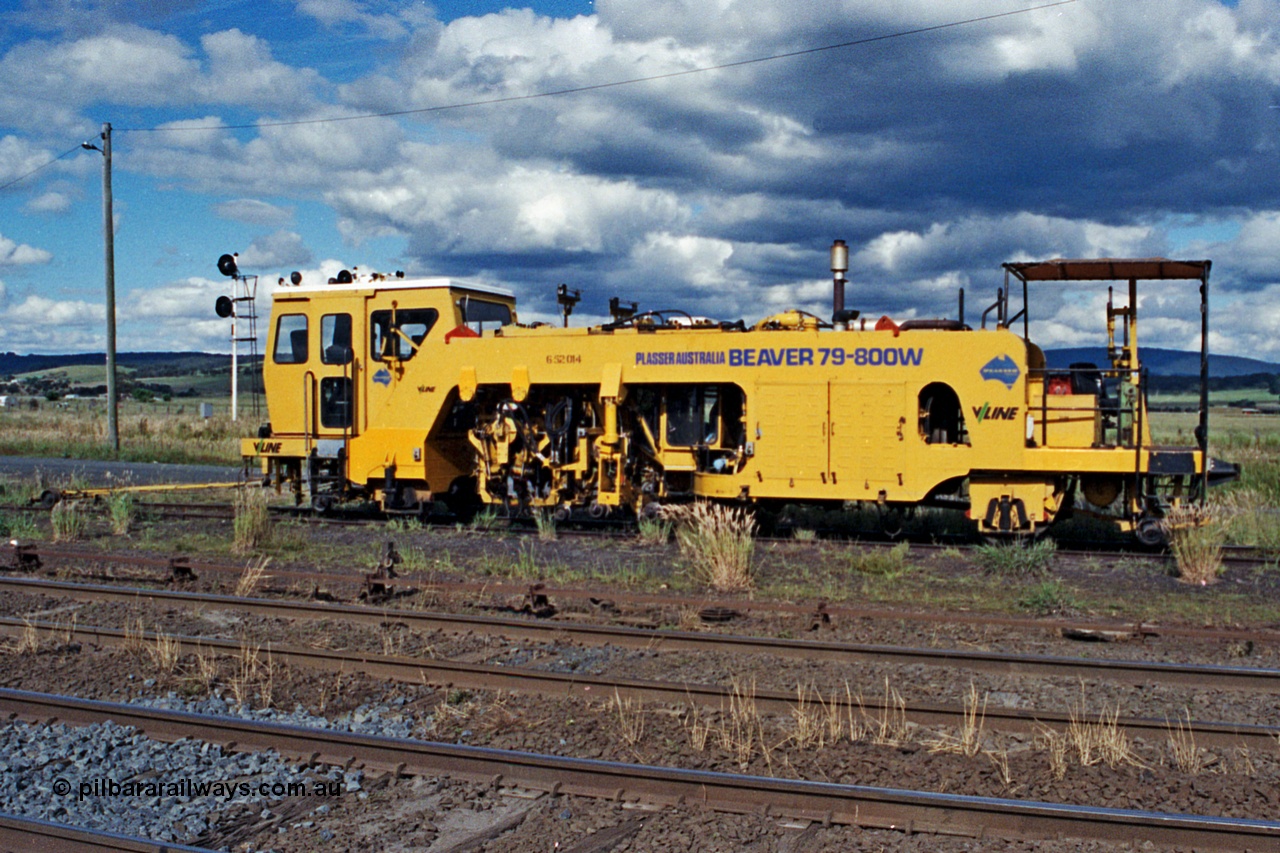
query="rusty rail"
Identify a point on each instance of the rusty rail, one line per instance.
(29, 556)
(1123, 671)
(22, 833)
(883, 808)
(451, 674)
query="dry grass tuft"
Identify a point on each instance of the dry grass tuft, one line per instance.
(135, 641)
(252, 522)
(546, 522)
(205, 673)
(121, 511)
(1055, 744)
(631, 719)
(737, 730)
(809, 719)
(817, 721)
(254, 676)
(699, 728)
(741, 732)
(718, 541)
(1182, 745)
(28, 642)
(1196, 534)
(69, 521)
(252, 576)
(891, 728)
(164, 652)
(1099, 740)
(969, 740)
(653, 531)
(1246, 516)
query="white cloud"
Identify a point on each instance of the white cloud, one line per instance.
(698, 262)
(123, 65)
(191, 298)
(19, 156)
(1256, 250)
(46, 82)
(53, 315)
(475, 204)
(253, 212)
(1022, 236)
(242, 71)
(13, 254)
(50, 202)
(385, 25)
(280, 249)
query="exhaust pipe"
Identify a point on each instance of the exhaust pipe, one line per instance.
(839, 266)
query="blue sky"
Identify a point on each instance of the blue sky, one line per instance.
(1090, 128)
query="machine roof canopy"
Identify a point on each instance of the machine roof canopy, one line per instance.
(1110, 269)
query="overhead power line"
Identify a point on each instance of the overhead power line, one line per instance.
(26, 175)
(611, 85)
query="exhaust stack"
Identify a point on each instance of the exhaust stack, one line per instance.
(839, 266)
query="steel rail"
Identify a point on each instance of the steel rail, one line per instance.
(884, 808)
(1123, 671)
(1240, 554)
(24, 833)
(451, 674)
(1138, 629)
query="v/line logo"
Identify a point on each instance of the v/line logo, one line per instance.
(987, 412)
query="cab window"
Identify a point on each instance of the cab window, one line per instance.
(397, 334)
(693, 415)
(291, 339)
(477, 312)
(335, 402)
(335, 338)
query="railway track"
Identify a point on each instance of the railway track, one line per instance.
(883, 808)
(1244, 555)
(20, 833)
(1122, 671)
(175, 567)
(451, 674)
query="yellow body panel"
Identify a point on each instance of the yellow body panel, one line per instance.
(631, 414)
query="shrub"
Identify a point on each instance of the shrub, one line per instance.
(68, 520)
(252, 520)
(1016, 557)
(888, 563)
(653, 530)
(718, 542)
(1048, 598)
(546, 522)
(120, 509)
(1195, 535)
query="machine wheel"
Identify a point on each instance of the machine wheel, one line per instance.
(893, 519)
(49, 498)
(1150, 532)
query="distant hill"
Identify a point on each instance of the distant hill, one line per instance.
(1161, 362)
(151, 363)
(1167, 362)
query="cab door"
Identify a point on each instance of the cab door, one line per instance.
(289, 385)
(336, 377)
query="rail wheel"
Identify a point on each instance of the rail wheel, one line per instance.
(1149, 531)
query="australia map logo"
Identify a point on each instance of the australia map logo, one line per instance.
(382, 377)
(1002, 368)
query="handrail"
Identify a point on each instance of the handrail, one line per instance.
(994, 306)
